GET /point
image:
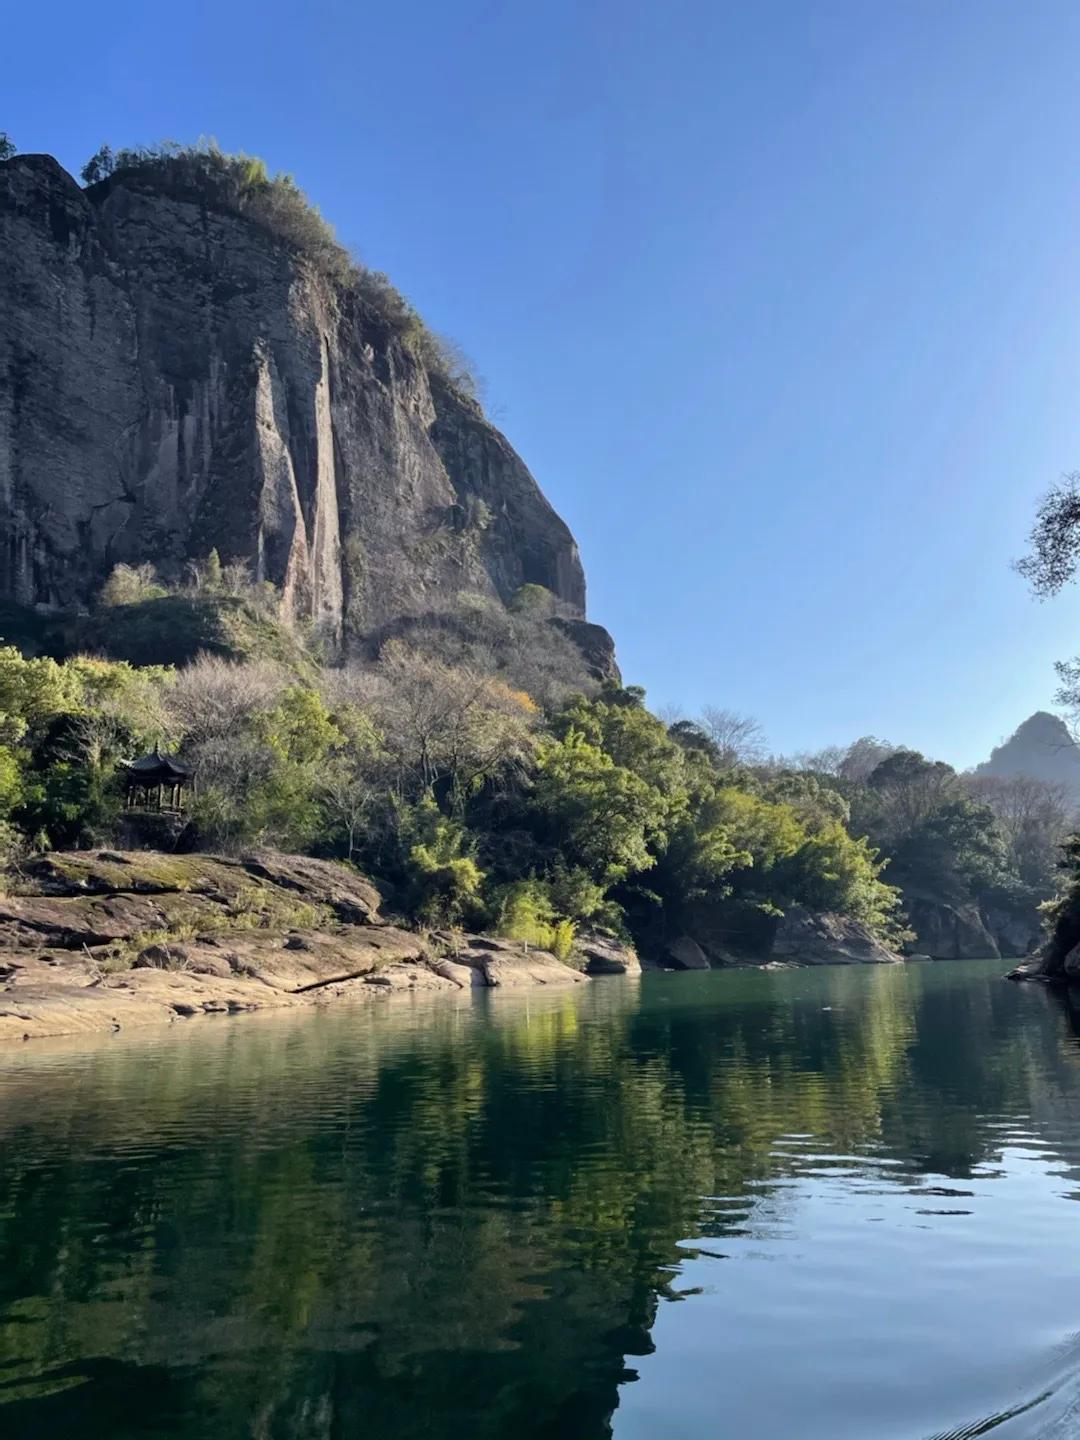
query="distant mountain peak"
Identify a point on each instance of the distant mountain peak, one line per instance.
(1043, 724)
(1042, 747)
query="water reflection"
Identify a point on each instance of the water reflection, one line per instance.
(446, 1220)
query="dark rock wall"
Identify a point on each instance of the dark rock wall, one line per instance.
(958, 931)
(173, 378)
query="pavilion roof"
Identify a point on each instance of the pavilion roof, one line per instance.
(155, 767)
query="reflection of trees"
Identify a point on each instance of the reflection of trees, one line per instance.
(447, 1220)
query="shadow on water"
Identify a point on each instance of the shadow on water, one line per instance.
(441, 1220)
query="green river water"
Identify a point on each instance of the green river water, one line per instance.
(834, 1204)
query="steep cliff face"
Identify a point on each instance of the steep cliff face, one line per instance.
(173, 378)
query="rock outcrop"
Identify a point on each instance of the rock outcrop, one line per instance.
(110, 940)
(1057, 961)
(947, 931)
(805, 938)
(799, 937)
(602, 954)
(173, 378)
(1015, 935)
(955, 930)
(684, 953)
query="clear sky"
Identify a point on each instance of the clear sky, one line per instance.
(778, 300)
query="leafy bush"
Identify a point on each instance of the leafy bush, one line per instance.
(99, 167)
(444, 879)
(525, 912)
(130, 585)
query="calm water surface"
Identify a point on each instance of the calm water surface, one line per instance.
(818, 1205)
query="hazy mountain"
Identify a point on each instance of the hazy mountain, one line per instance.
(1042, 748)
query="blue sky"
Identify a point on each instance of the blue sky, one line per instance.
(777, 300)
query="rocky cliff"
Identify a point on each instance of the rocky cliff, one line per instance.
(174, 378)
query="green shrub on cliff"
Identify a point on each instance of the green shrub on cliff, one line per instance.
(131, 585)
(185, 625)
(99, 167)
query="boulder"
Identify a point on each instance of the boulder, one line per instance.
(409, 978)
(161, 957)
(808, 938)
(604, 955)
(508, 964)
(351, 897)
(465, 977)
(685, 953)
(595, 644)
(1016, 935)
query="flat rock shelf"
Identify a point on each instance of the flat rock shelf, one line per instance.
(109, 940)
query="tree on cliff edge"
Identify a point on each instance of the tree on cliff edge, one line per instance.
(7, 146)
(99, 167)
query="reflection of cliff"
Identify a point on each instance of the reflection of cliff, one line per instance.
(445, 1221)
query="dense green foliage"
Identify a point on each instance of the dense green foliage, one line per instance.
(469, 802)
(482, 780)
(958, 839)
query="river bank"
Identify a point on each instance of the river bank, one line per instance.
(110, 940)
